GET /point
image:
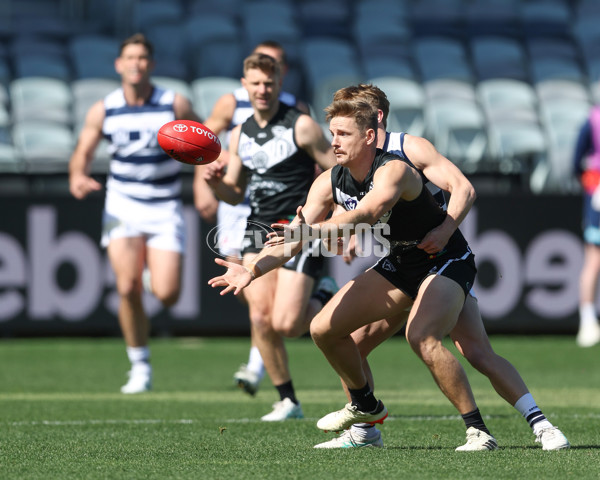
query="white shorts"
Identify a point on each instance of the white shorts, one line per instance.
(231, 220)
(160, 222)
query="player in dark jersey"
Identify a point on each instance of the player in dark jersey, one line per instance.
(469, 334)
(274, 153)
(381, 188)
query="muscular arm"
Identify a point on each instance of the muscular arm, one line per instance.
(204, 199)
(80, 182)
(392, 182)
(447, 176)
(310, 137)
(230, 186)
(183, 110)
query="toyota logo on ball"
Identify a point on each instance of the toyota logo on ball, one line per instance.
(180, 128)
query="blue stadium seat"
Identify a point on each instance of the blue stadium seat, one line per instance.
(148, 13)
(93, 56)
(206, 91)
(485, 17)
(551, 18)
(437, 17)
(442, 57)
(499, 57)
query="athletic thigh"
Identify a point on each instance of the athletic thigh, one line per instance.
(364, 300)
(292, 295)
(469, 332)
(436, 308)
(165, 271)
(127, 258)
(260, 294)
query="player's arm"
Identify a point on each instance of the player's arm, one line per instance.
(228, 182)
(447, 176)
(80, 181)
(391, 183)
(318, 205)
(204, 199)
(183, 109)
(310, 137)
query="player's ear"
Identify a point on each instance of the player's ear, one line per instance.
(118, 68)
(370, 136)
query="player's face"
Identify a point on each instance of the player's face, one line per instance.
(134, 65)
(348, 142)
(263, 89)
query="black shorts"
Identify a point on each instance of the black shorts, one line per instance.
(407, 272)
(309, 261)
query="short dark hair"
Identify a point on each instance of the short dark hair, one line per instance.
(263, 62)
(363, 112)
(368, 93)
(137, 39)
(274, 45)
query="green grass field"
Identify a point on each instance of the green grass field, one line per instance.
(62, 416)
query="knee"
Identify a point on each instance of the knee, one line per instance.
(260, 320)
(129, 290)
(318, 330)
(480, 358)
(169, 298)
(423, 345)
(289, 328)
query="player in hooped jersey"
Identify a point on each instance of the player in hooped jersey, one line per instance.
(273, 155)
(230, 110)
(143, 218)
(429, 263)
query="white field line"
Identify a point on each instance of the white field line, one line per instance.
(184, 421)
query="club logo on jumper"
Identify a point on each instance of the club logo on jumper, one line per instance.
(350, 203)
(388, 266)
(180, 127)
(224, 240)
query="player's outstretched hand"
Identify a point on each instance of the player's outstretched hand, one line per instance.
(292, 232)
(235, 279)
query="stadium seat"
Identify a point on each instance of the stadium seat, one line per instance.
(457, 127)
(206, 91)
(45, 147)
(499, 57)
(375, 67)
(517, 147)
(10, 161)
(507, 99)
(550, 18)
(561, 89)
(485, 17)
(437, 17)
(93, 56)
(325, 57)
(407, 100)
(41, 98)
(323, 92)
(87, 91)
(555, 68)
(176, 84)
(325, 18)
(170, 48)
(449, 89)
(147, 13)
(441, 58)
(42, 65)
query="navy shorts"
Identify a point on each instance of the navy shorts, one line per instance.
(407, 272)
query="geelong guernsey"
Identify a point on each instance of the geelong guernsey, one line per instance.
(139, 168)
(279, 172)
(394, 143)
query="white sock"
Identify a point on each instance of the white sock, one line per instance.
(255, 362)
(527, 407)
(364, 431)
(139, 358)
(587, 315)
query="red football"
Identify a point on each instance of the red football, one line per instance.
(189, 142)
